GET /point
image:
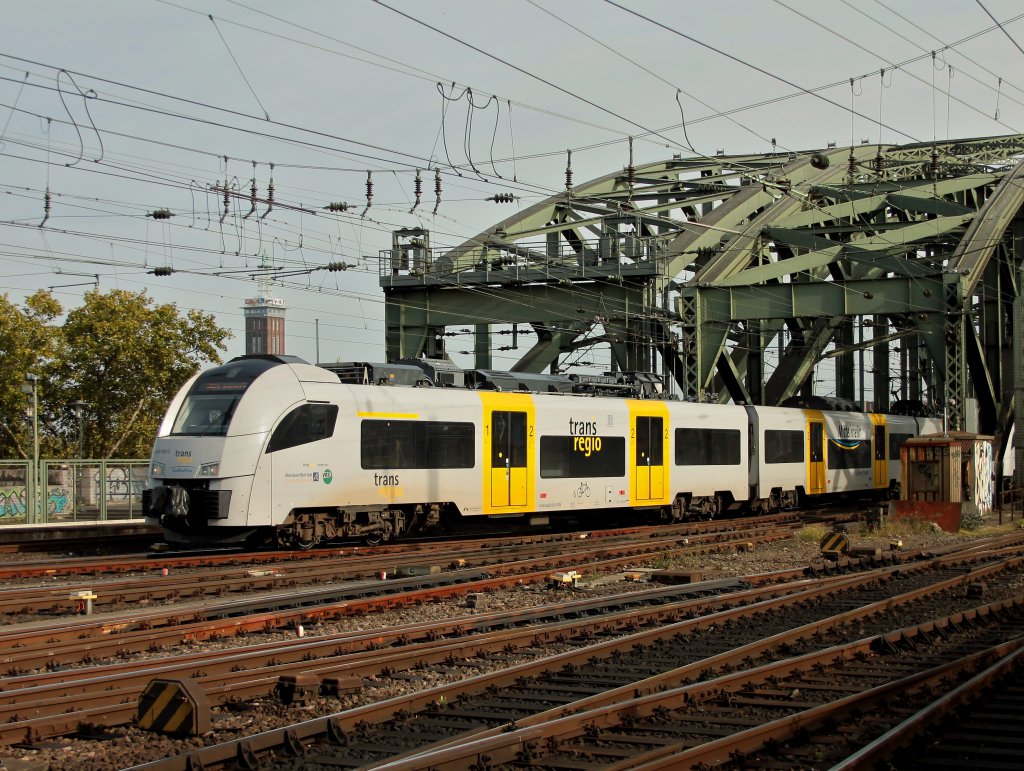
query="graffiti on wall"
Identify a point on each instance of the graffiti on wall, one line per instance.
(70, 490)
(122, 484)
(12, 502)
(57, 500)
(13, 491)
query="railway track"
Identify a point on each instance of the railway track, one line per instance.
(977, 724)
(510, 715)
(35, 706)
(60, 567)
(35, 646)
(84, 675)
(163, 584)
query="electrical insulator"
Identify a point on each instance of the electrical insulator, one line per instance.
(502, 198)
(418, 191)
(935, 163)
(339, 206)
(568, 170)
(270, 194)
(437, 189)
(165, 270)
(161, 214)
(47, 204)
(879, 163)
(630, 169)
(369, 189)
(334, 267)
(252, 193)
(851, 167)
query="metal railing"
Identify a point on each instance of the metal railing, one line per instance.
(1011, 504)
(73, 491)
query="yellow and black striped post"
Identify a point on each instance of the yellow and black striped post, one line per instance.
(834, 544)
(174, 707)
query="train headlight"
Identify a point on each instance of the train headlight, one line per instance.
(209, 469)
(157, 469)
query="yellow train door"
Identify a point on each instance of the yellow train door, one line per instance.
(816, 457)
(648, 458)
(880, 456)
(507, 453)
(508, 450)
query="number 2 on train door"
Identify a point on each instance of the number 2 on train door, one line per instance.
(508, 458)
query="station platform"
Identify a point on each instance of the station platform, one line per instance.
(56, 534)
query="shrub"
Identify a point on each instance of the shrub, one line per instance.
(971, 519)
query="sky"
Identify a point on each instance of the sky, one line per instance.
(123, 108)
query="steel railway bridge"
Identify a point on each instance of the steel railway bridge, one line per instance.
(697, 267)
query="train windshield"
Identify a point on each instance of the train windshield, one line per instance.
(211, 402)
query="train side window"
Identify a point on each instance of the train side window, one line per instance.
(575, 457)
(880, 447)
(895, 442)
(394, 444)
(508, 442)
(450, 445)
(649, 441)
(306, 423)
(707, 447)
(390, 444)
(783, 446)
(849, 454)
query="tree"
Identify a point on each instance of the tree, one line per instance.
(126, 357)
(27, 342)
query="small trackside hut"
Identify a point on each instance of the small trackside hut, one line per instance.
(945, 476)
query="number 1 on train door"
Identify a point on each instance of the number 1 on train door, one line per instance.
(508, 458)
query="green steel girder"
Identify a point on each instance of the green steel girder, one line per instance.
(871, 250)
(754, 245)
(912, 195)
(722, 305)
(725, 270)
(563, 309)
(986, 230)
(549, 346)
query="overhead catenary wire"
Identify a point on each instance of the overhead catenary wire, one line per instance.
(1000, 25)
(934, 53)
(513, 155)
(945, 47)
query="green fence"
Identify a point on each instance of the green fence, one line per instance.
(71, 491)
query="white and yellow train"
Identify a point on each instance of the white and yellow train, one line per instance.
(271, 448)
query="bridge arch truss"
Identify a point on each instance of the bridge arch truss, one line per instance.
(703, 268)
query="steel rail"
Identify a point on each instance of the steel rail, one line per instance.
(348, 720)
(517, 741)
(289, 608)
(910, 729)
(238, 580)
(147, 562)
